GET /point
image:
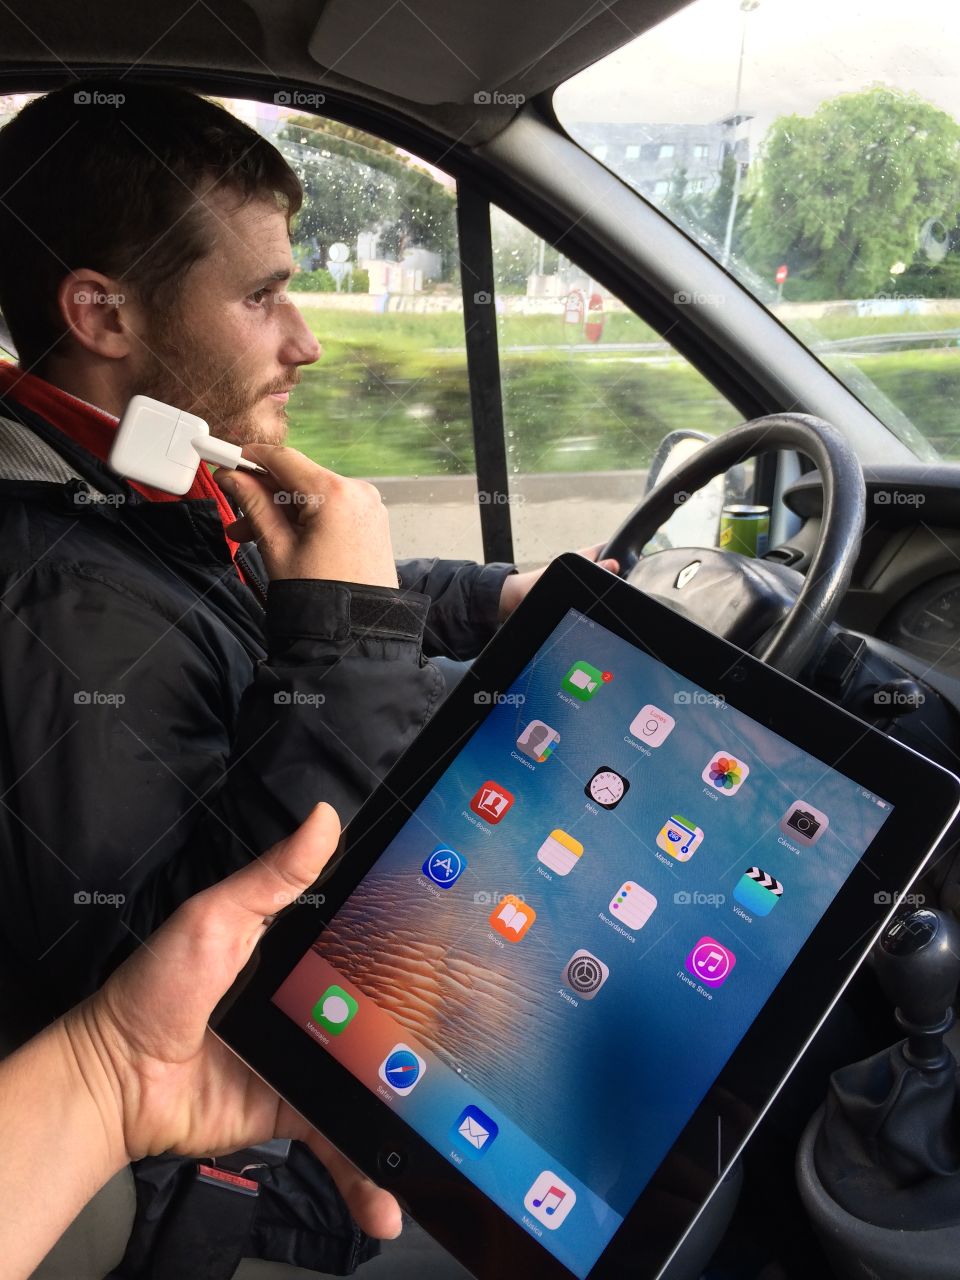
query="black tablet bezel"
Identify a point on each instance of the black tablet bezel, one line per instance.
(374, 1136)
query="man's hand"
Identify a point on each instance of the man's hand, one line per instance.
(309, 522)
(160, 1079)
(516, 586)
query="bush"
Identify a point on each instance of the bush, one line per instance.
(319, 281)
(360, 281)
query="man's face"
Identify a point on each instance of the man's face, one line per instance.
(230, 349)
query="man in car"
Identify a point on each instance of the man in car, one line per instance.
(173, 702)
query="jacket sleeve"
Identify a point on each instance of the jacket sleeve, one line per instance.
(464, 602)
(136, 772)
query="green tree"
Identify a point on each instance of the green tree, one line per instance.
(841, 196)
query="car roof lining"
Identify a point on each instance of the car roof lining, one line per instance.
(451, 52)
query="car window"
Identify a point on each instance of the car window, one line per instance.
(812, 148)
(589, 392)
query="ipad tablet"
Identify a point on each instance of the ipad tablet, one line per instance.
(583, 930)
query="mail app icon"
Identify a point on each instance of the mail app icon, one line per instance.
(474, 1132)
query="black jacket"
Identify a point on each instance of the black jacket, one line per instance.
(161, 722)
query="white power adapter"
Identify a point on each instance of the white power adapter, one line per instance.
(163, 447)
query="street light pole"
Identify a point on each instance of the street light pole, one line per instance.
(746, 7)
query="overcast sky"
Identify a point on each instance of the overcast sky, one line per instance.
(798, 52)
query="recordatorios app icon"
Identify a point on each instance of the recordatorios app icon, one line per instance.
(633, 905)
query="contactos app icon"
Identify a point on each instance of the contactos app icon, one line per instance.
(585, 974)
(726, 773)
(335, 1010)
(512, 918)
(583, 681)
(538, 741)
(711, 962)
(550, 1199)
(474, 1132)
(632, 905)
(492, 802)
(652, 726)
(402, 1069)
(758, 892)
(560, 852)
(444, 866)
(803, 823)
(680, 838)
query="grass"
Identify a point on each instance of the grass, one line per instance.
(390, 396)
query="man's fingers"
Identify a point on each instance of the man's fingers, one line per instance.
(263, 516)
(289, 468)
(591, 553)
(272, 882)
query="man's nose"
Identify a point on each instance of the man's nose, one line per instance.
(300, 345)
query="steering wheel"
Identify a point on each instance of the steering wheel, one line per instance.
(775, 612)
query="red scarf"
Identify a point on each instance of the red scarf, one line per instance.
(93, 430)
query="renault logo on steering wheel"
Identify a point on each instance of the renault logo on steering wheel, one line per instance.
(685, 575)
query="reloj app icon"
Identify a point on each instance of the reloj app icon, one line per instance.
(512, 918)
(585, 974)
(550, 1199)
(726, 773)
(803, 823)
(402, 1069)
(560, 852)
(652, 726)
(632, 905)
(444, 866)
(474, 1132)
(538, 741)
(711, 962)
(680, 838)
(758, 891)
(607, 787)
(583, 681)
(335, 1010)
(492, 802)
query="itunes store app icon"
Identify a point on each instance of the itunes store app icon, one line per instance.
(710, 962)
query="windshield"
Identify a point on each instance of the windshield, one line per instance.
(813, 149)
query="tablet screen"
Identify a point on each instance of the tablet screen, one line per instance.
(555, 956)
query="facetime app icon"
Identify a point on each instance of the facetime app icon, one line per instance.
(511, 918)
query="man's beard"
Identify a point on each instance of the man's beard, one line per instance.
(181, 373)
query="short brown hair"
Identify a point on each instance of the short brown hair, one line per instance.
(103, 174)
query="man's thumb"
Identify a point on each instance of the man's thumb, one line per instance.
(273, 881)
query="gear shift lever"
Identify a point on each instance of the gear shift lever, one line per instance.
(879, 1165)
(918, 966)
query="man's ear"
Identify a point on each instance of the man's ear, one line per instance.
(97, 312)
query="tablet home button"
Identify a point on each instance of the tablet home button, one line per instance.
(391, 1160)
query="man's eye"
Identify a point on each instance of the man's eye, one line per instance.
(259, 296)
